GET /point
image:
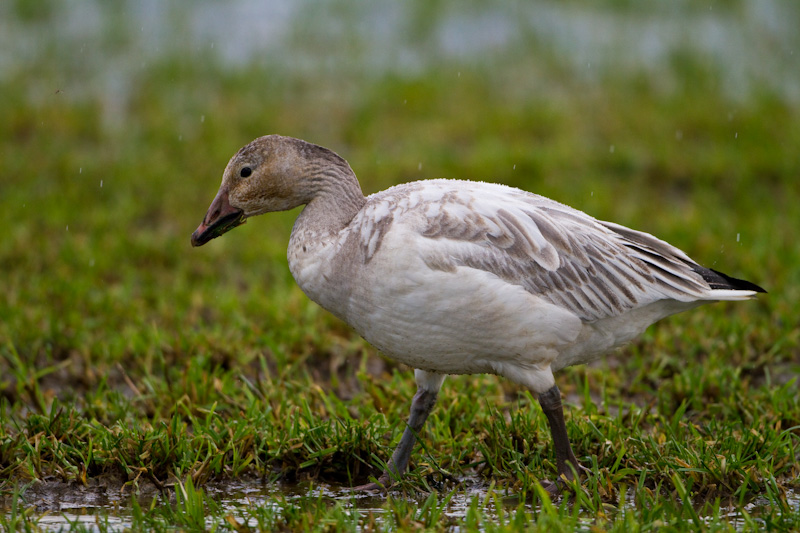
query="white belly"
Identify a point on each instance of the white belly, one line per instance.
(462, 321)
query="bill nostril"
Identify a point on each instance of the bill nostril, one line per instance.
(212, 216)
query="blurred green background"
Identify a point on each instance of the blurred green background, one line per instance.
(679, 118)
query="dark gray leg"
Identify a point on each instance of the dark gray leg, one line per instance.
(421, 407)
(551, 406)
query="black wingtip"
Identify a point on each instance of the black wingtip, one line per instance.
(720, 281)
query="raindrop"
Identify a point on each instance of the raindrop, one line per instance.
(419, 167)
(738, 235)
(101, 184)
(202, 118)
(678, 134)
(514, 167)
(180, 137)
(91, 262)
(611, 149)
(67, 227)
(736, 135)
(459, 74)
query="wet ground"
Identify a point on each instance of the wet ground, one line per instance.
(59, 506)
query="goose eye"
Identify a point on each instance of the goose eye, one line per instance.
(246, 171)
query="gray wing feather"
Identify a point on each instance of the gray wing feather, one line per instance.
(595, 269)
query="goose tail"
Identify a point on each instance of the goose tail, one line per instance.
(725, 287)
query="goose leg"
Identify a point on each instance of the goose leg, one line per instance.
(551, 406)
(428, 385)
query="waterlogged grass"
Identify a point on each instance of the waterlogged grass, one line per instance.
(133, 365)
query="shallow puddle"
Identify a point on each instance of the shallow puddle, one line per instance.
(61, 507)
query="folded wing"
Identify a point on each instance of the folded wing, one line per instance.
(595, 269)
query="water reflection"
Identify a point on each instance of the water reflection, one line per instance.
(234, 499)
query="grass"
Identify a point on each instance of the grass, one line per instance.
(132, 362)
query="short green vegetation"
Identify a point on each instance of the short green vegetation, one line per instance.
(136, 366)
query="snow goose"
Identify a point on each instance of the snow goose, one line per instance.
(462, 277)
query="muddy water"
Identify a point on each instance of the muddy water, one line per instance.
(61, 506)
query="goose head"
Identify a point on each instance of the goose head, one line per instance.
(265, 175)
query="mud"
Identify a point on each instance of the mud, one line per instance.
(104, 491)
(107, 500)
